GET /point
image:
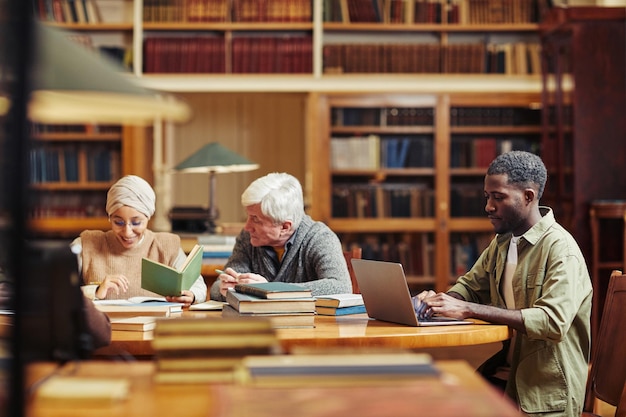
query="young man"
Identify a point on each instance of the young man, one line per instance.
(279, 242)
(533, 278)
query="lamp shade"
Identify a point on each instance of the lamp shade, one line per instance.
(71, 84)
(214, 157)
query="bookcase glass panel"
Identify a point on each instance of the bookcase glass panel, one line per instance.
(415, 251)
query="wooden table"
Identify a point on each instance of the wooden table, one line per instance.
(458, 392)
(355, 331)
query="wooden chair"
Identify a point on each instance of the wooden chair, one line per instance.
(355, 253)
(607, 375)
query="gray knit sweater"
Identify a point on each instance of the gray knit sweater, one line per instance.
(315, 260)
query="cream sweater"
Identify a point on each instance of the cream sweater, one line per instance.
(103, 255)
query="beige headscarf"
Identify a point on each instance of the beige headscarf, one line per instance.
(131, 191)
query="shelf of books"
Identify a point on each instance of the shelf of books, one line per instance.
(310, 38)
(105, 26)
(406, 172)
(71, 169)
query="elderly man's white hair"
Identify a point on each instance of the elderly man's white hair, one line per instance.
(280, 196)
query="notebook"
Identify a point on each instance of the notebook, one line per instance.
(386, 294)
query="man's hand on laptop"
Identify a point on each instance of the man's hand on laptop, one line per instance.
(421, 308)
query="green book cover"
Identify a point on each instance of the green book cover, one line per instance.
(166, 280)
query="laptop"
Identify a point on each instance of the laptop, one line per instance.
(386, 294)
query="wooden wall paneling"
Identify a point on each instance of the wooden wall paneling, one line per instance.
(265, 128)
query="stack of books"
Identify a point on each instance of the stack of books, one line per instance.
(135, 328)
(339, 304)
(286, 305)
(208, 350)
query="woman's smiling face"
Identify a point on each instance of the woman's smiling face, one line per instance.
(128, 225)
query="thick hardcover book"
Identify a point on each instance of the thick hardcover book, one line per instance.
(339, 300)
(211, 326)
(245, 303)
(274, 290)
(197, 342)
(340, 311)
(195, 377)
(165, 280)
(128, 309)
(277, 320)
(70, 390)
(138, 323)
(336, 367)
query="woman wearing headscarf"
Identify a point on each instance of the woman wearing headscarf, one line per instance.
(110, 262)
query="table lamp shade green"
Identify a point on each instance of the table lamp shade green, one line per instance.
(213, 158)
(71, 84)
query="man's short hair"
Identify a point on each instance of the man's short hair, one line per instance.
(522, 168)
(280, 196)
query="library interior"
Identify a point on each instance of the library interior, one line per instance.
(388, 112)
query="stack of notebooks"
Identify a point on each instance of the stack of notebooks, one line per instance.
(208, 350)
(286, 305)
(339, 304)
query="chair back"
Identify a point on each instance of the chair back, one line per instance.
(608, 363)
(355, 253)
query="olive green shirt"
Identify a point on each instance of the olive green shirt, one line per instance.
(552, 288)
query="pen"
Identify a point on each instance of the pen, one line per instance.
(220, 272)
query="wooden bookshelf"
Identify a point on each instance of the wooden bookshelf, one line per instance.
(72, 168)
(585, 126)
(301, 37)
(430, 217)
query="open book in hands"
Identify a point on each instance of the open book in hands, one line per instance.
(168, 281)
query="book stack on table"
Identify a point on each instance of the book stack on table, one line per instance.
(208, 350)
(286, 305)
(135, 328)
(339, 304)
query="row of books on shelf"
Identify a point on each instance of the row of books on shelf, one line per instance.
(424, 116)
(67, 11)
(477, 58)
(495, 116)
(385, 151)
(63, 164)
(465, 250)
(435, 11)
(382, 200)
(414, 251)
(120, 54)
(68, 204)
(87, 129)
(382, 116)
(403, 200)
(272, 54)
(467, 200)
(174, 11)
(478, 152)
